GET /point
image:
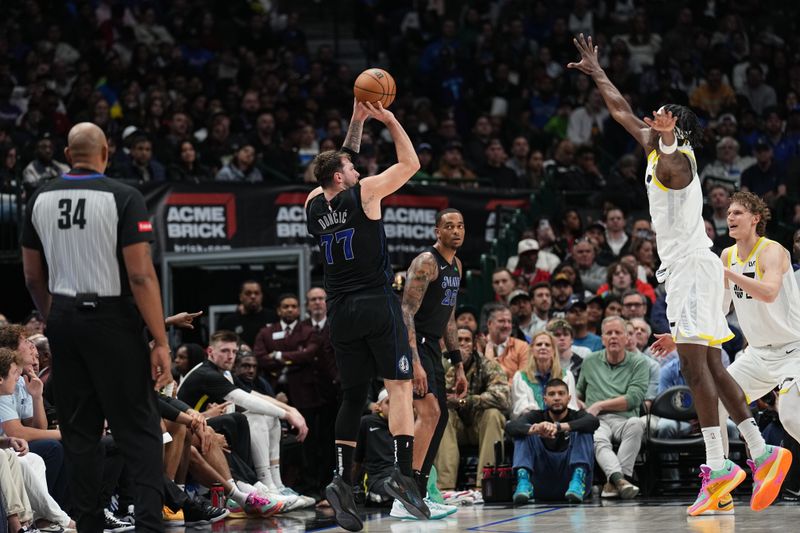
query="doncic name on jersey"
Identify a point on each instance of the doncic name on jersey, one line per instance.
(199, 222)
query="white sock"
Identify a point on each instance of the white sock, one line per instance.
(237, 495)
(247, 488)
(265, 476)
(275, 470)
(752, 436)
(715, 456)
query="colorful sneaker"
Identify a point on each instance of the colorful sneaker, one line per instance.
(769, 471)
(524, 490)
(434, 494)
(305, 501)
(403, 488)
(234, 509)
(577, 486)
(172, 518)
(463, 497)
(715, 485)
(399, 511)
(261, 507)
(724, 507)
(437, 508)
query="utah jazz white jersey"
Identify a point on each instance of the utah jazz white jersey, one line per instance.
(677, 214)
(765, 324)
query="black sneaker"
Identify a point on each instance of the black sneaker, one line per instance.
(128, 515)
(114, 525)
(404, 488)
(199, 512)
(340, 496)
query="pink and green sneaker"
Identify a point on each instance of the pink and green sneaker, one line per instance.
(715, 486)
(256, 506)
(769, 471)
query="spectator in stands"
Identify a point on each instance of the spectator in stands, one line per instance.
(187, 356)
(592, 275)
(765, 178)
(553, 449)
(45, 357)
(544, 364)
(518, 162)
(595, 306)
(643, 250)
(43, 167)
(503, 284)
(713, 95)
(617, 241)
(784, 147)
(187, 167)
(759, 94)
(426, 162)
(510, 353)
(638, 334)
(34, 323)
(622, 277)
(288, 351)
(541, 300)
(719, 199)
(519, 302)
(453, 168)
(218, 145)
(495, 167)
(246, 375)
(527, 268)
(624, 186)
(577, 316)
(571, 356)
(250, 315)
(23, 415)
(479, 141)
(141, 166)
(242, 167)
(561, 292)
(586, 122)
(208, 384)
(634, 304)
(478, 417)
(728, 167)
(534, 170)
(642, 43)
(588, 175)
(613, 383)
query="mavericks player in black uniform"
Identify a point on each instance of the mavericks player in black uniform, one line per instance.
(367, 331)
(429, 302)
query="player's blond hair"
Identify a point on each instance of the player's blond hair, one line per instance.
(755, 206)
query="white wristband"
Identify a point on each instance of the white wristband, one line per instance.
(667, 149)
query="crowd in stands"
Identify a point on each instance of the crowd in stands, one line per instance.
(559, 361)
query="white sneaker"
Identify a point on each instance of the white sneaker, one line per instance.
(399, 511)
(290, 503)
(477, 496)
(308, 501)
(440, 508)
(452, 497)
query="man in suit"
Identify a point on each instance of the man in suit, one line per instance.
(288, 352)
(327, 375)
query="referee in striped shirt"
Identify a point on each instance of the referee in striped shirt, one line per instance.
(86, 257)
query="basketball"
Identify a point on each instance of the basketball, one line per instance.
(375, 85)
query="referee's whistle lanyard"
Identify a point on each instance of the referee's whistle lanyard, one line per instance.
(93, 175)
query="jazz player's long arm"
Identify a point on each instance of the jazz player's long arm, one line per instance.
(422, 271)
(617, 105)
(772, 262)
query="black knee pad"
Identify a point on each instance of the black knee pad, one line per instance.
(349, 418)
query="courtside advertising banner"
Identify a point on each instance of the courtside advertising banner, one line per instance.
(201, 218)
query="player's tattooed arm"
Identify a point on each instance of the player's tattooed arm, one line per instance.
(422, 271)
(353, 139)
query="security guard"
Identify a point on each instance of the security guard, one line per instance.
(86, 256)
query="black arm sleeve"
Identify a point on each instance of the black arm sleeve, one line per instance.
(166, 410)
(519, 428)
(583, 422)
(176, 403)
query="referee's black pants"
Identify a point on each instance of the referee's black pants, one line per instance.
(101, 371)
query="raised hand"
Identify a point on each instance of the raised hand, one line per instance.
(589, 64)
(377, 112)
(662, 121)
(360, 111)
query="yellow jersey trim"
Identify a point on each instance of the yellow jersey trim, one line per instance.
(750, 255)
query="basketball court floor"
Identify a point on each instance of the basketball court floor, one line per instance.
(606, 516)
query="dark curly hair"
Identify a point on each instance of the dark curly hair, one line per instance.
(326, 164)
(688, 128)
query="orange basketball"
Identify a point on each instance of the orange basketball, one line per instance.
(375, 85)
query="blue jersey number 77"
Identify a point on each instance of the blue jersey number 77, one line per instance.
(326, 242)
